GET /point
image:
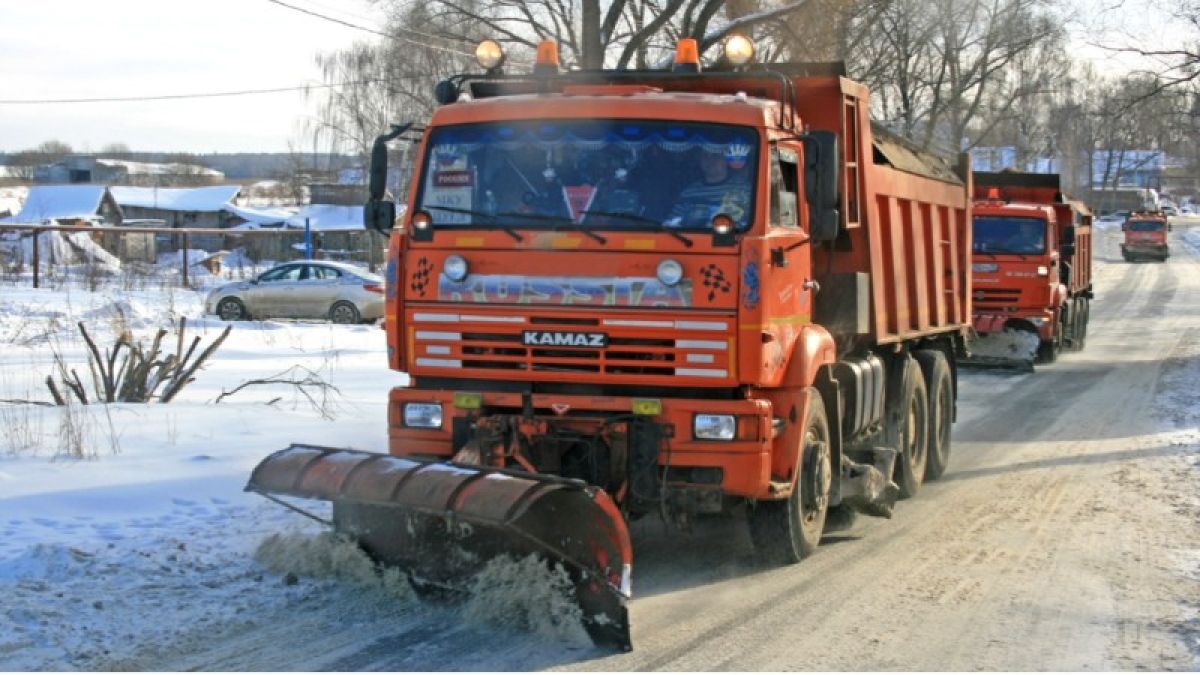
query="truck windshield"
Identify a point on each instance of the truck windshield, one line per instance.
(1005, 234)
(1146, 225)
(605, 174)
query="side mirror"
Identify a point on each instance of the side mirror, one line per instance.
(1068, 250)
(821, 184)
(1068, 234)
(379, 215)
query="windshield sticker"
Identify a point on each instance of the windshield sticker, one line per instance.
(579, 198)
(604, 291)
(736, 155)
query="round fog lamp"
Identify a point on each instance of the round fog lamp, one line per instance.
(739, 50)
(455, 268)
(489, 54)
(670, 272)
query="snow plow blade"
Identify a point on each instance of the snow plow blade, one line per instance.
(441, 522)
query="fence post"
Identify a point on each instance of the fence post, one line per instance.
(185, 258)
(37, 262)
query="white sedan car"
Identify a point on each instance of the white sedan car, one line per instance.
(305, 289)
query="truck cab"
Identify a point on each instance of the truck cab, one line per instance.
(1145, 236)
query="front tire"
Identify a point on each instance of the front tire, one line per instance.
(788, 530)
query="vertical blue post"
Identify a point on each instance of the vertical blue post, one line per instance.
(307, 240)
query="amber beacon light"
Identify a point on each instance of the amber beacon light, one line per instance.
(687, 56)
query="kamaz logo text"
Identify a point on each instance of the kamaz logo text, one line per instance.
(550, 338)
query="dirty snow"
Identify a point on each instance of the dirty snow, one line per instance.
(1018, 345)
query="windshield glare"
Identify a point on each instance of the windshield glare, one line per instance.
(996, 234)
(611, 174)
(1147, 225)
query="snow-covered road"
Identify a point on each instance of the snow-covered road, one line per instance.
(1063, 537)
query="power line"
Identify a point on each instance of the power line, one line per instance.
(174, 97)
(389, 36)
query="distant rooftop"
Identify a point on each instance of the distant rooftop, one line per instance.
(201, 199)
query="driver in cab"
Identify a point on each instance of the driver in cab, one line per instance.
(722, 189)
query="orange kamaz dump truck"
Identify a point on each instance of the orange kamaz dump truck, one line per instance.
(673, 293)
(1032, 269)
(1145, 236)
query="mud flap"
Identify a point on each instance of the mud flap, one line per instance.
(868, 488)
(442, 522)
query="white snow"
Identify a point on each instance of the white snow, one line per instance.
(101, 557)
(260, 216)
(328, 217)
(201, 199)
(56, 202)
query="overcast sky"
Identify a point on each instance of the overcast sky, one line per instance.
(88, 48)
(57, 49)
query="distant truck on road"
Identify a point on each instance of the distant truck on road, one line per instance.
(1032, 264)
(1146, 236)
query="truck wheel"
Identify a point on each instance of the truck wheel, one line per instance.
(940, 390)
(908, 430)
(788, 530)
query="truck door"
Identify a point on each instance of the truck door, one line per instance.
(784, 270)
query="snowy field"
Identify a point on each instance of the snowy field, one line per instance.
(116, 519)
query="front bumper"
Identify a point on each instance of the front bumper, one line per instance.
(1145, 249)
(745, 461)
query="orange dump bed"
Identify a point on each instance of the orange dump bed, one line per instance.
(907, 215)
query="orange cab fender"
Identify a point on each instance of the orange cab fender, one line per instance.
(813, 349)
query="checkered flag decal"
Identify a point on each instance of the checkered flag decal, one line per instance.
(420, 276)
(714, 279)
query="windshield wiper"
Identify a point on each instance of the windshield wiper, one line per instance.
(453, 209)
(642, 219)
(557, 220)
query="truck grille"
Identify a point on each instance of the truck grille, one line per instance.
(658, 348)
(996, 298)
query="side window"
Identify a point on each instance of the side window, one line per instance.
(324, 273)
(289, 273)
(784, 187)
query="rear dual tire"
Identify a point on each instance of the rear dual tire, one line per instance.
(908, 429)
(939, 385)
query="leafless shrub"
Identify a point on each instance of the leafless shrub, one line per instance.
(130, 372)
(319, 394)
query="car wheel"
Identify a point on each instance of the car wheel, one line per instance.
(231, 309)
(344, 312)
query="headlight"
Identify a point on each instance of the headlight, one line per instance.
(423, 415)
(714, 427)
(455, 268)
(739, 49)
(1043, 271)
(985, 267)
(670, 272)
